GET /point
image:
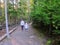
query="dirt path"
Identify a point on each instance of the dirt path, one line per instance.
(29, 37)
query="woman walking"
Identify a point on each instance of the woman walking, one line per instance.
(22, 24)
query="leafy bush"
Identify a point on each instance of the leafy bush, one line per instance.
(46, 13)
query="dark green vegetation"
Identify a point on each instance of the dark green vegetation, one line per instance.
(46, 16)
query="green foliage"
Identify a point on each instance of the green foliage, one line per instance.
(22, 9)
(2, 17)
(46, 11)
(46, 15)
(57, 31)
(48, 42)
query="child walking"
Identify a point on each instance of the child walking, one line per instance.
(26, 26)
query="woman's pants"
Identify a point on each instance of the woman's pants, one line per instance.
(22, 27)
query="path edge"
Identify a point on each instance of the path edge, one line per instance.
(5, 35)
